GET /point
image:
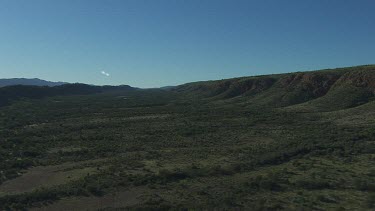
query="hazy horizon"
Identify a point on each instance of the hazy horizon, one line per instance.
(72, 82)
(150, 44)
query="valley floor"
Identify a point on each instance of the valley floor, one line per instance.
(153, 149)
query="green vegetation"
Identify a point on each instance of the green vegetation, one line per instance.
(299, 141)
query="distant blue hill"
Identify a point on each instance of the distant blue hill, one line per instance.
(30, 82)
(16, 92)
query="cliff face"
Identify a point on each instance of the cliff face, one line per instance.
(352, 89)
(228, 88)
(300, 87)
(360, 78)
(247, 87)
(339, 88)
(316, 84)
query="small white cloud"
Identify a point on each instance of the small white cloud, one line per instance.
(104, 73)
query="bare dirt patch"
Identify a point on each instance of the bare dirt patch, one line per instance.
(155, 116)
(119, 199)
(45, 176)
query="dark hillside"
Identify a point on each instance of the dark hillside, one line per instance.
(28, 82)
(352, 89)
(336, 88)
(10, 93)
(296, 88)
(228, 88)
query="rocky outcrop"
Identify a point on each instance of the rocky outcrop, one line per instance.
(360, 78)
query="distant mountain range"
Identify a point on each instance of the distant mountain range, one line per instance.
(322, 90)
(26, 81)
(9, 93)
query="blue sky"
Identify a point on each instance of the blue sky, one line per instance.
(152, 43)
